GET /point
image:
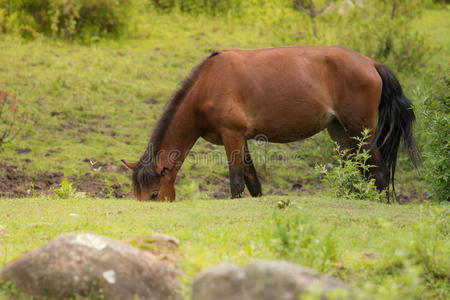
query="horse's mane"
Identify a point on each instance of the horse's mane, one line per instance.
(145, 169)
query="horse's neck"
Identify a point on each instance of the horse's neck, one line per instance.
(180, 136)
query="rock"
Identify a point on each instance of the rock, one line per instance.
(82, 265)
(164, 247)
(262, 280)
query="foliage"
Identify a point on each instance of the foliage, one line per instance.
(285, 203)
(384, 32)
(210, 7)
(66, 190)
(11, 118)
(437, 154)
(346, 179)
(389, 251)
(309, 7)
(69, 18)
(300, 241)
(191, 191)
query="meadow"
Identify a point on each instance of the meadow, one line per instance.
(91, 100)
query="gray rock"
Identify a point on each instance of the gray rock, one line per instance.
(82, 265)
(262, 280)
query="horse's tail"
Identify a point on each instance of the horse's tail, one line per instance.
(395, 122)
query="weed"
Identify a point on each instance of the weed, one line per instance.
(191, 191)
(300, 241)
(285, 203)
(11, 119)
(66, 190)
(346, 179)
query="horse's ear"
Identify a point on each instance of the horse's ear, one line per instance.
(131, 165)
(163, 171)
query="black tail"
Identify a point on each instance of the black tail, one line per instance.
(395, 122)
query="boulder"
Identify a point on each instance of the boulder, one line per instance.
(88, 265)
(265, 280)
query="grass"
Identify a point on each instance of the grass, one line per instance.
(365, 235)
(100, 102)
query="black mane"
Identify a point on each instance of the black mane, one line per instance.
(145, 172)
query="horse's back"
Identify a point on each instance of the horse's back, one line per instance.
(287, 93)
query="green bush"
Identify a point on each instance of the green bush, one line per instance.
(437, 154)
(345, 179)
(383, 31)
(211, 7)
(69, 19)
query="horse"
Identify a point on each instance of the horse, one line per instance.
(286, 94)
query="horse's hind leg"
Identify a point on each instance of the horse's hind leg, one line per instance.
(344, 138)
(250, 177)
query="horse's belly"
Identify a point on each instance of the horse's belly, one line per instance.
(286, 134)
(288, 125)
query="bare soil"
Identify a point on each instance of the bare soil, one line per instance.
(18, 182)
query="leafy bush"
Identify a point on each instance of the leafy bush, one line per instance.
(346, 179)
(437, 154)
(211, 7)
(70, 18)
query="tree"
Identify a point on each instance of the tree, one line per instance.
(308, 7)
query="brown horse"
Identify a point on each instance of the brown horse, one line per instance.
(286, 94)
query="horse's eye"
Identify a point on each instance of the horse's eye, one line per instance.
(155, 195)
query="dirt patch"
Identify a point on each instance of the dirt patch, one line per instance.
(95, 186)
(18, 182)
(106, 167)
(413, 195)
(23, 150)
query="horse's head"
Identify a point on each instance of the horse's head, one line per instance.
(151, 183)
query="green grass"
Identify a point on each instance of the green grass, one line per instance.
(91, 101)
(376, 247)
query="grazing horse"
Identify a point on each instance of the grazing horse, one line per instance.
(286, 94)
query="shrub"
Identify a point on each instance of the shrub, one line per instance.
(383, 30)
(346, 179)
(437, 154)
(211, 7)
(12, 118)
(71, 18)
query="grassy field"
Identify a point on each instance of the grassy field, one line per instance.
(389, 251)
(98, 102)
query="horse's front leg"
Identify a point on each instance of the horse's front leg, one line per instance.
(250, 176)
(234, 143)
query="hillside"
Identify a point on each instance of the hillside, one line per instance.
(92, 105)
